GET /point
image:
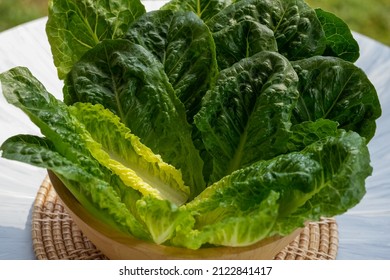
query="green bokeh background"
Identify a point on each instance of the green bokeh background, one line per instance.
(371, 18)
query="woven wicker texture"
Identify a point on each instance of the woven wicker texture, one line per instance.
(56, 237)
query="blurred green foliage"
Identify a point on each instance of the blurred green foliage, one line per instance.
(15, 12)
(370, 18)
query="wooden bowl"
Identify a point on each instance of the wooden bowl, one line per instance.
(116, 245)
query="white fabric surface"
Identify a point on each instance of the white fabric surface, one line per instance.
(363, 231)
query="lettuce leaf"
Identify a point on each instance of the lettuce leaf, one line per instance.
(23, 90)
(339, 38)
(335, 89)
(298, 32)
(345, 163)
(75, 26)
(246, 116)
(95, 194)
(242, 40)
(182, 42)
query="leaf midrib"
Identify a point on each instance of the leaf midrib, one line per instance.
(235, 162)
(120, 112)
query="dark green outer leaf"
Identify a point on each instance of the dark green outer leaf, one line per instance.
(95, 194)
(126, 79)
(241, 40)
(339, 39)
(65, 152)
(204, 9)
(246, 116)
(297, 29)
(24, 91)
(345, 164)
(75, 26)
(184, 45)
(331, 88)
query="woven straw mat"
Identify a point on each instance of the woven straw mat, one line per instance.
(56, 237)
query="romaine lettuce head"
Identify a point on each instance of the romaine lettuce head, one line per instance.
(205, 123)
